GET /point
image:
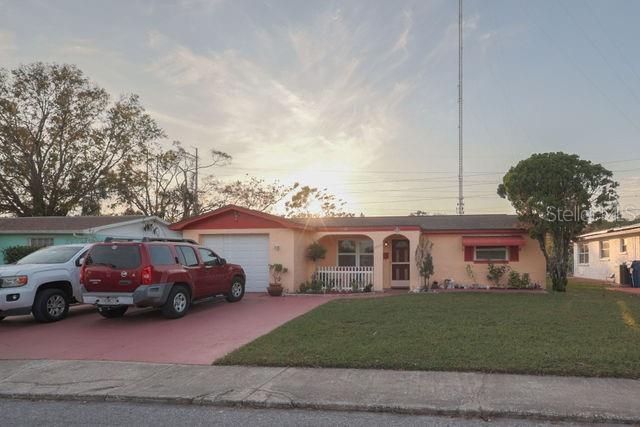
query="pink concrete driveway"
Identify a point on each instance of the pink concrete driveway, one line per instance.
(209, 331)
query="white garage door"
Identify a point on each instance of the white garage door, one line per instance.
(250, 251)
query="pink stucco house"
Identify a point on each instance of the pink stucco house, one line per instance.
(376, 250)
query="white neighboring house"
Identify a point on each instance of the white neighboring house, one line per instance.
(598, 255)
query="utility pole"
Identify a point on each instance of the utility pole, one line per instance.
(196, 208)
(460, 157)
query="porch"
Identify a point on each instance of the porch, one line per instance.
(372, 260)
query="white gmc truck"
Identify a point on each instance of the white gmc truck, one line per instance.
(44, 283)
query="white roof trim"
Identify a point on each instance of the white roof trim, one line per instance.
(133, 221)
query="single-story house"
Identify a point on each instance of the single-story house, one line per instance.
(380, 250)
(58, 230)
(607, 254)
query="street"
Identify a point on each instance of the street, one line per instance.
(38, 413)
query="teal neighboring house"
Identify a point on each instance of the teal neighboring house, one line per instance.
(60, 230)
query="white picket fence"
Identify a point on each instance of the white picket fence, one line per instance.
(345, 279)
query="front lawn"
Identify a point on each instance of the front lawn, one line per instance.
(587, 331)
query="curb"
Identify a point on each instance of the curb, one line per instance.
(478, 413)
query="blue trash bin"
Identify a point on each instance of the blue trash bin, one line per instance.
(635, 275)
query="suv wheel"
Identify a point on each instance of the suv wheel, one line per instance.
(113, 312)
(50, 305)
(177, 304)
(237, 290)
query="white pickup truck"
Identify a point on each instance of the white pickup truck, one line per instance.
(44, 283)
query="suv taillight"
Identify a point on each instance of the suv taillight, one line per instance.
(146, 275)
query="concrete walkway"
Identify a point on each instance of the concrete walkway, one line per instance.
(429, 393)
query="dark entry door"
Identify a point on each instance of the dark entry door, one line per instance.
(400, 262)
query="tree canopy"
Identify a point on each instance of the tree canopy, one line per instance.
(61, 137)
(556, 195)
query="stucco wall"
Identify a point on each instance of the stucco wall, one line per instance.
(449, 263)
(601, 269)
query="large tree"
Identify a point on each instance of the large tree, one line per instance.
(556, 195)
(61, 137)
(252, 193)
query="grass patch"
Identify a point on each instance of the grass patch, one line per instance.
(587, 331)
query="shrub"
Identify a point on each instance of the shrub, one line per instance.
(518, 281)
(15, 253)
(495, 273)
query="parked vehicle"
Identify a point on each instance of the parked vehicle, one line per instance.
(43, 283)
(168, 274)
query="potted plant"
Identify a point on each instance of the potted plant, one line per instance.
(275, 287)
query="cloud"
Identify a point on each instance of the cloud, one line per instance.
(403, 39)
(320, 111)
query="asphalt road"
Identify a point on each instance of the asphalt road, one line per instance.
(39, 413)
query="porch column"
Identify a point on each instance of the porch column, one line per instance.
(415, 281)
(378, 264)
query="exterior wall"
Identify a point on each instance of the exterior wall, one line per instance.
(282, 248)
(601, 268)
(449, 263)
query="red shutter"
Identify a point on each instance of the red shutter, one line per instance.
(468, 253)
(514, 253)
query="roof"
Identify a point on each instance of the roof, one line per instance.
(431, 222)
(633, 228)
(63, 224)
(427, 222)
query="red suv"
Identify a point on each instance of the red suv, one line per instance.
(165, 273)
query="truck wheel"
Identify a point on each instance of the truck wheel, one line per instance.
(113, 312)
(237, 290)
(50, 305)
(177, 304)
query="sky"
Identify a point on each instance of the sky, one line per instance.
(360, 97)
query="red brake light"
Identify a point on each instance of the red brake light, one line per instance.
(146, 275)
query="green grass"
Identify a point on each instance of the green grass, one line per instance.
(587, 331)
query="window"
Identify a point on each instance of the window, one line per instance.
(355, 253)
(187, 256)
(121, 257)
(40, 242)
(583, 253)
(623, 246)
(50, 255)
(161, 255)
(208, 257)
(491, 253)
(604, 249)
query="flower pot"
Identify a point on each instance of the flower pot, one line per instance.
(275, 290)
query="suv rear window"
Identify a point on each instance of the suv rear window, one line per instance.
(121, 257)
(161, 255)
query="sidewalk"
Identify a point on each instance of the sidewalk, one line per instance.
(430, 393)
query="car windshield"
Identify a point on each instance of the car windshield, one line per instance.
(51, 255)
(121, 257)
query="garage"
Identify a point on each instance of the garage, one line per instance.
(250, 251)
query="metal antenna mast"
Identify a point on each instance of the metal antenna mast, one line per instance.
(460, 172)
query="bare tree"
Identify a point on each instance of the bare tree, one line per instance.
(302, 203)
(252, 193)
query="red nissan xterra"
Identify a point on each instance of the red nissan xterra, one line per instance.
(168, 274)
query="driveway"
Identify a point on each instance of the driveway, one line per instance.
(209, 331)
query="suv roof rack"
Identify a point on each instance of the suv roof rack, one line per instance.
(150, 239)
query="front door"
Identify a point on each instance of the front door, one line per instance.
(400, 263)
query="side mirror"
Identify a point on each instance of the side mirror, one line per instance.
(79, 262)
(222, 261)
